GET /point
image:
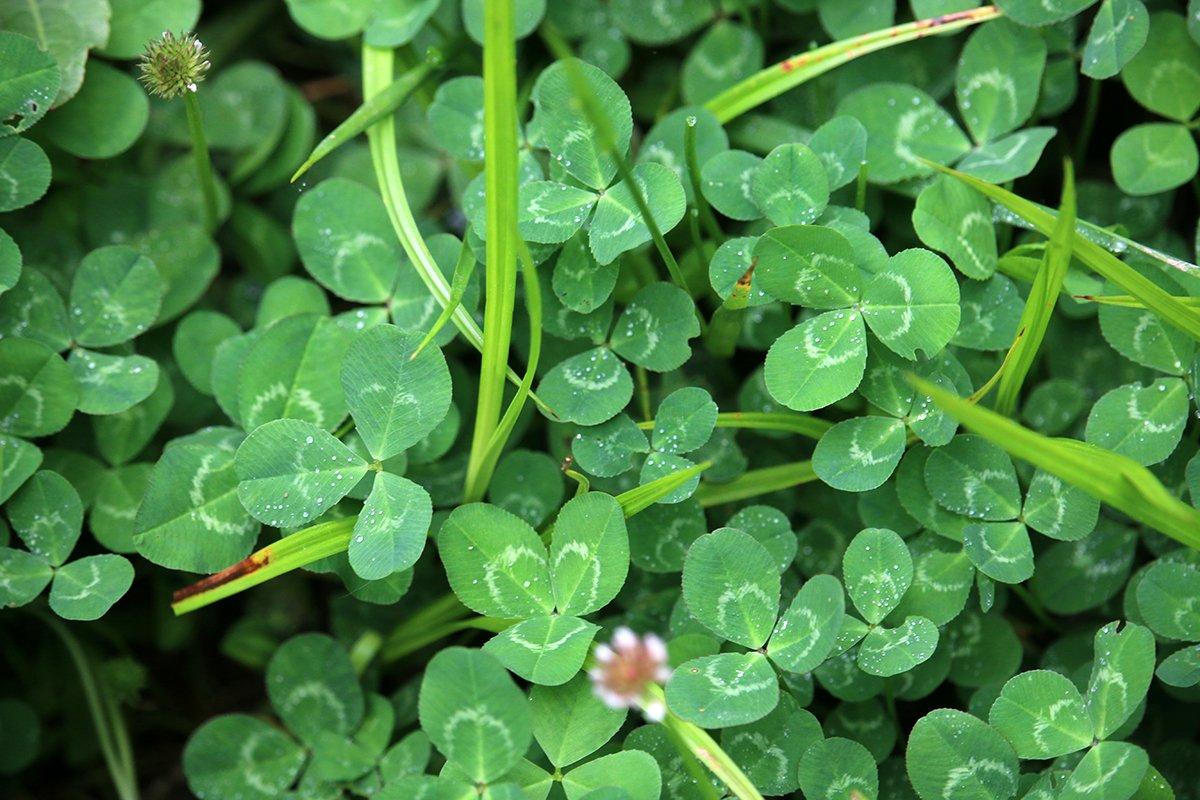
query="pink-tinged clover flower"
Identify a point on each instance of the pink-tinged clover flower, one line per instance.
(626, 667)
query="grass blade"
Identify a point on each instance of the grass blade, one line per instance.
(291, 552)
(642, 497)
(791, 72)
(1112, 242)
(1114, 479)
(1039, 306)
(533, 303)
(756, 482)
(783, 421)
(373, 109)
(500, 259)
(378, 66)
(708, 752)
(1099, 260)
(1126, 301)
(463, 270)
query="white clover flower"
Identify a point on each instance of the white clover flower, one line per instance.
(626, 667)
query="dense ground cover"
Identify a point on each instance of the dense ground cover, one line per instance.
(599, 399)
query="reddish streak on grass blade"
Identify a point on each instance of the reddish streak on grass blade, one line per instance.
(246, 566)
(744, 281)
(925, 26)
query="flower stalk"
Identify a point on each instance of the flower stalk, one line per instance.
(173, 67)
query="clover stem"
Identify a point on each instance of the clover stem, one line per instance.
(889, 699)
(692, 764)
(693, 168)
(726, 324)
(643, 391)
(1090, 109)
(1035, 606)
(395, 649)
(595, 114)
(202, 159)
(364, 650)
(860, 189)
(582, 484)
(693, 220)
(111, 733)
(707, 751)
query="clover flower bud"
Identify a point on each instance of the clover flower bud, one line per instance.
(626, 667)
(171, 66)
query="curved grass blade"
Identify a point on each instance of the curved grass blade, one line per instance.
(791, 72)
(533, 304)
(708, 752)
(378, 65)
(371, 111)
(463, 270)
(1043, 296)
(1114, 479)
(1099, 260)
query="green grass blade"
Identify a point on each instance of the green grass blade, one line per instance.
(791, 72)
(642, 497)
(291, 552)
(1114, 479)
(1126, 301)
(708, 752)
(1039, 306)
(1110, 241)
(378, 66)
(500, 258)
(1019, 267)
(463, 270)
(373, 109)
(1099, 260)
(756, 482)
(783, 421)
(533, 303)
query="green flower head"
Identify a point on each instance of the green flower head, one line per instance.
(171, 66)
